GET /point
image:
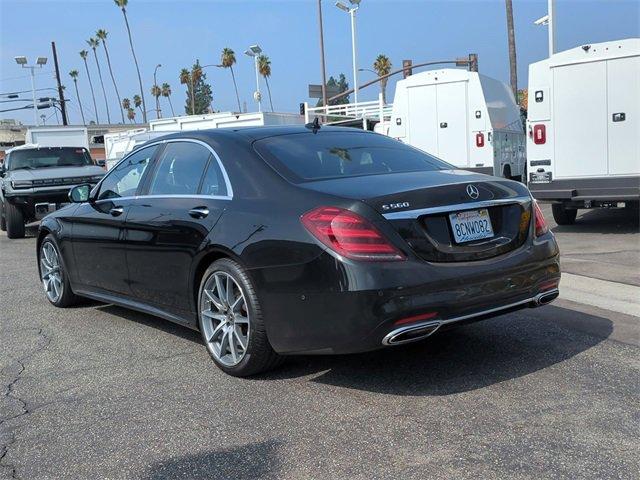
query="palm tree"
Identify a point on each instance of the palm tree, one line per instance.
(126, 103)
(187, 79)
(228, 59)
(137, 102)
(122, 4)
(93, 43)
(83, 55)
(166, 92)
(264, 67)
(131, 114)
(102, 35)
(512, 48)
(74, 75)
(382, 66)
(156, 92)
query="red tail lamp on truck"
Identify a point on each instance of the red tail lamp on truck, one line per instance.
(539, 134)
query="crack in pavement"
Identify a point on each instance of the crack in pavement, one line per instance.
(43, 342)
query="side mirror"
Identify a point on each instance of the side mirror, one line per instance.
(80, 193)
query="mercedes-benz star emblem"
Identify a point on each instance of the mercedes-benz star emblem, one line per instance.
(472, 191)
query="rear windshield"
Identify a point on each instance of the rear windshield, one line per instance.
(48, 157)
(306, 157)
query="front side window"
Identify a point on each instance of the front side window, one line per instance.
(304, 157)
(124, 179)
(180, 169)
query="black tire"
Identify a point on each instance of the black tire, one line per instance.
(14, 220)
(68, 298)
(563, 215)
(3, 221)
(506, 172)
(260, 356)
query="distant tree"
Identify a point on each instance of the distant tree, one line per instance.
(382, 66)
(84, 54)
(126, 104)
(131, 114)
(74, 75)
(198, 90)
(122, 5)
(102, 35)
(264, 67)
(137, 103)
(166, 92)
(156, 92)
(342, 86)
(93, 43)
(228, 59)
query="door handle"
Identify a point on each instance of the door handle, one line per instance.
(116, 211)
(199, 212)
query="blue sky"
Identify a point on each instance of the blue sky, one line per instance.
(175, 33)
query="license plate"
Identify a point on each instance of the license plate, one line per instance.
(540, 177)
(471, 225)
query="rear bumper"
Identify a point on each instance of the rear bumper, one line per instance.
(580, 189)
(329, 306)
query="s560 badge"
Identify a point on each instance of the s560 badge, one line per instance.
(395, 206)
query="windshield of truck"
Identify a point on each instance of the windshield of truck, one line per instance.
(48, 157)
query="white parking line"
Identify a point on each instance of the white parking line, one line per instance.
(617, 297)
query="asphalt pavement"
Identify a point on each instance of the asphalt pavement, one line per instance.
(98, 391)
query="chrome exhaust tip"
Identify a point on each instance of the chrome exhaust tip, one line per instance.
(546, 298)
(411, 333)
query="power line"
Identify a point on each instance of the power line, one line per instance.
(48, 72)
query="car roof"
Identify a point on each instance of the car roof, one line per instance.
(255, 133)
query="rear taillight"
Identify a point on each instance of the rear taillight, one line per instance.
(539, 134)
(541, 224)
(479, 139)
(349, 234)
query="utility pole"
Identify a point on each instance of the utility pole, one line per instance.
(63, 105)
(512, 49)
(322, 66)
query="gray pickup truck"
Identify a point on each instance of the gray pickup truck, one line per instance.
(35, 181)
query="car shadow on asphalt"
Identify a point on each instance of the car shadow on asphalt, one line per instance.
(455, 361)
(460, 360)
(617, 221)
(246, 462)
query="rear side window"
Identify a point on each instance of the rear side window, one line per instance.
(180, 169)
(214, 183)
(331, 154)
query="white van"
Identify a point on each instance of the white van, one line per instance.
(469, 120)
(462, 117)
(583, 126)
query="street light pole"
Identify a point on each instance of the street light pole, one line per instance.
(322, 65)
(22, 61)
(254, 51)
(33, 92)
(352, 13)
(552, 26)
(155, 84)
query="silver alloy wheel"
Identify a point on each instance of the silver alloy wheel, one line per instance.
(225, 318)
(51, 272)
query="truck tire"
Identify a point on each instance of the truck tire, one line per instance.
(506, 172)
(15, 221)
(563, 215)
(3, 221)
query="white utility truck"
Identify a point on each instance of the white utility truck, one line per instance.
(119, 144)
(583, 126)
(469, 120)
(58, 137)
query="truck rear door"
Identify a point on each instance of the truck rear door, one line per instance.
(580, 120)
(452, 123)
(423, 118)
(623, 92)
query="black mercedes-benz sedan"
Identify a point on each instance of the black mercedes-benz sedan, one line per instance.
(298, 239)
